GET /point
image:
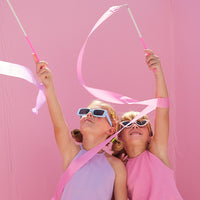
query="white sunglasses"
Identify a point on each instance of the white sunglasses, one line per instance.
(140, 123)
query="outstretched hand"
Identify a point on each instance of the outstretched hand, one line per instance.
(153, 61)
(43, 72)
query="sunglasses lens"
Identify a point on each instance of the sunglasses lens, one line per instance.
(124, 123)
(98, 112)
(84, 111)
(142, 122)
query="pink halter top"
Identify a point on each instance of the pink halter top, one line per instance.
(95, 180)
(148, 178)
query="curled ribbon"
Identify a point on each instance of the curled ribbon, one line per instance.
(109, 96)
(22, 72)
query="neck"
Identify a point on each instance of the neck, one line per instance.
(91, 142)
(134, 151)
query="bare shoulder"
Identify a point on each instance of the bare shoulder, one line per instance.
(116, 163)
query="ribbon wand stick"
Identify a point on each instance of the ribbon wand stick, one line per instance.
(41, 96)
(26, 36)
(138, 31)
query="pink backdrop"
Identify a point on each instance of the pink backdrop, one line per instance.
(30, 164)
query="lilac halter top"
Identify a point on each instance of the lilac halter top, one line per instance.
(148, 178)
(95, 180)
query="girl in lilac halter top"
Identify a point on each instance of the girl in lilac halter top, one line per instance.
(103, 175)
(95, 180)
(149, 176)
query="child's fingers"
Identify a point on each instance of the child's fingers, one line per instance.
(44, 75)
(41, 65)
(151, 57)
(148, 51)
(153, 62)
(43, 70)
(153, 66)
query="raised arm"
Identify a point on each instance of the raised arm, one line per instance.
(159, 142)
(66, 145)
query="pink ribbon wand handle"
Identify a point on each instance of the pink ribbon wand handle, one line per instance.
(32, 48)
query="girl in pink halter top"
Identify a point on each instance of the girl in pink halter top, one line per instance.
(149, 176)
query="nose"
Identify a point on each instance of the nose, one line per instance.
(89, 114)
(134, 125)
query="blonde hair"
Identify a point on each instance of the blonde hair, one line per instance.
(76, 133)
(121, 153)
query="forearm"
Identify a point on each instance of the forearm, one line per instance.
(161, 87)
(162, 114)
(55, 110)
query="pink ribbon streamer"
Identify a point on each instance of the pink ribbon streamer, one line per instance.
(18, 71)
(109, 97)
(105, 95)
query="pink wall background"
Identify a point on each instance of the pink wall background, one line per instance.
(30, 164)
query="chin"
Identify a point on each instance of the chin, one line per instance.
(134, 141)
(85, 129)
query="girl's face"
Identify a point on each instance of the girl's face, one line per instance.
(92, 124)
(135, 135)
